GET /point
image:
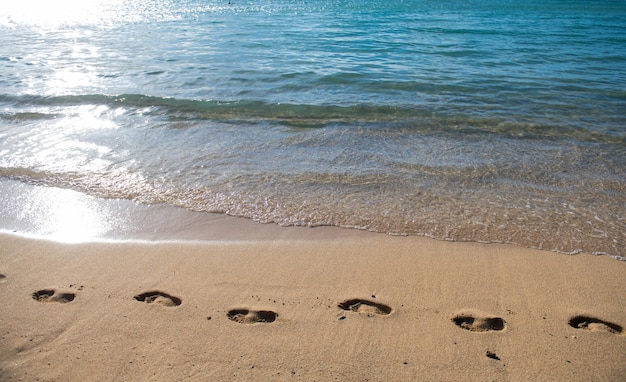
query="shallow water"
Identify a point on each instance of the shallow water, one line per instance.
(484, 121)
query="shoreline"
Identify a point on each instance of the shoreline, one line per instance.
(68, 216)
(374, 307)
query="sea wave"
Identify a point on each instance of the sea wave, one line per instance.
(401, 118)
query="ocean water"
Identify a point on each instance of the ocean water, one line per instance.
(488, 121)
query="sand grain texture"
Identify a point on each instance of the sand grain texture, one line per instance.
(371, 307)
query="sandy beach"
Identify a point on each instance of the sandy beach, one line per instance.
(307, 304)
(281, 190)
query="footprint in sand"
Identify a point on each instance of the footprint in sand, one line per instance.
(475, 323)
(158, 298)
(51, 295)
(594, 324)
(246, 316)
(2, 278)
(366, 307)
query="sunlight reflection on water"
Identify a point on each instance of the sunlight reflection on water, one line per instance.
(58, 214)
(53, 14)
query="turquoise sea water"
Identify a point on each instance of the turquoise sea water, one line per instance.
(490, 121)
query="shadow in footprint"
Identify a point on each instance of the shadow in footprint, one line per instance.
(369, 308)
(2, 278)
(246, 316)
(594, 324)
(159, 298)
(51, 295)
(479, 324)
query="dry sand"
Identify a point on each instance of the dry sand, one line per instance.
(308, 305)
